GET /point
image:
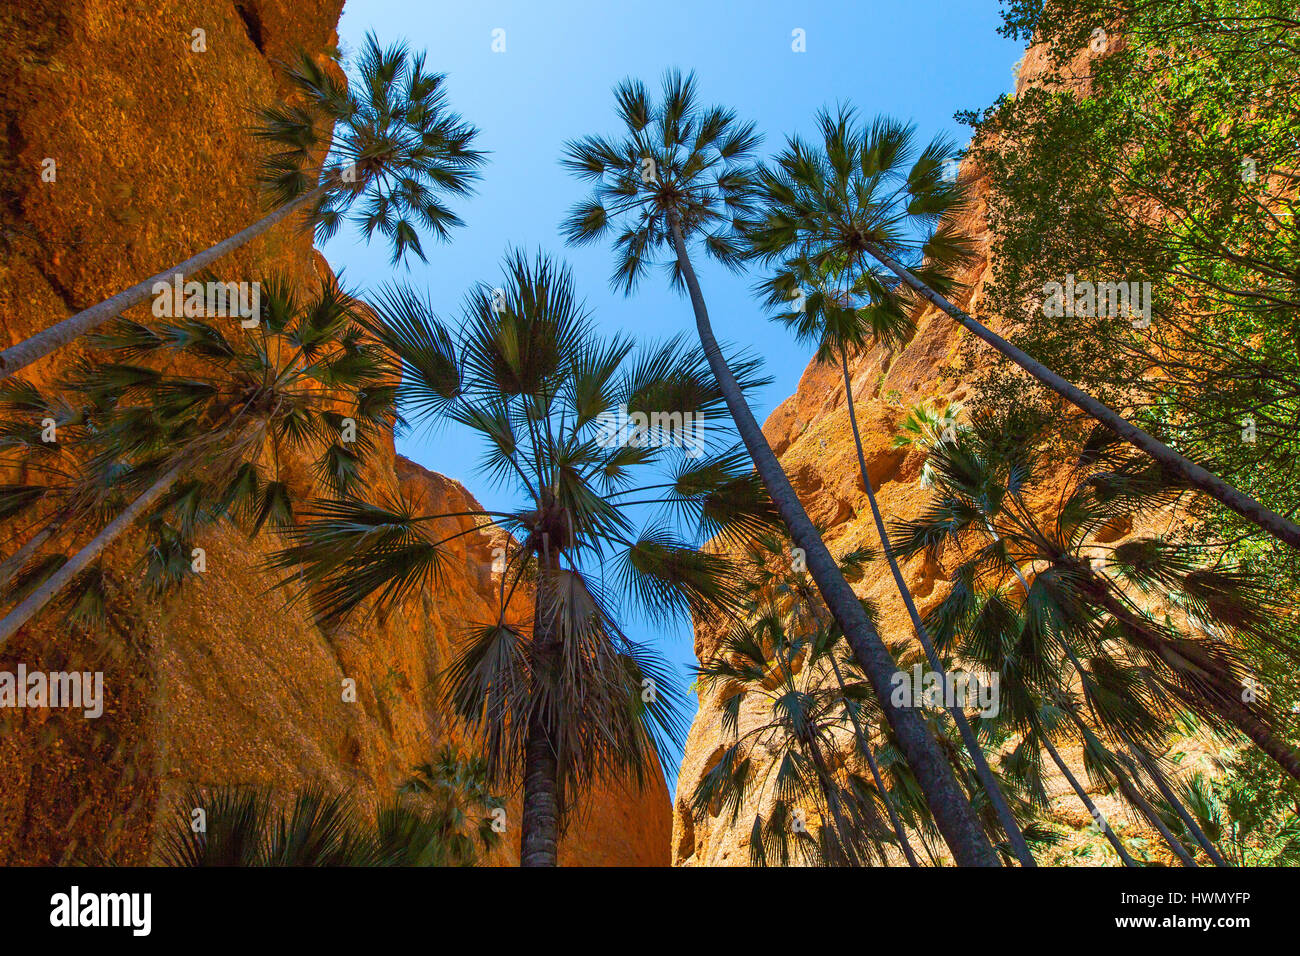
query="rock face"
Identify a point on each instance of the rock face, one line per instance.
(810, 433)
(223, 683)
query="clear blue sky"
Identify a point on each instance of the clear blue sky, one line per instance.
(920, 60)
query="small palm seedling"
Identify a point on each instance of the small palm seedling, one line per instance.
(383, 149)
(456, 788)
(1256, 829)
(924, 426)
(590, 435)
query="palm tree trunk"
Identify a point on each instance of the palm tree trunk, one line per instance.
(15, 562)
(1082, 794)
(539, 842)
(1179, 808)
(1245, 720)
(1091, 807)
(1129, 789)
(1224, 702)
(952, 812)
(982, 769)
(19, 356)
(540, 825)
(864, 745)
(42, 596)
(1134, 796)
(1275, 524)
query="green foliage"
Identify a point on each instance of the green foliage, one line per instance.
(678, 163)
(1138, 627)
(1173, 163)
(457, 788)
(256, 826)
(1177, 168)
(235, 406)
(391, 147)
(814, 807)
(823, 206)
(611, 518)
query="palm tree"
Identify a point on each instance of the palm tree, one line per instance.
(186, 423)
(679, 177)
(1183, 818)
(257, 826)
(38, 431)
(788, 758)
(997, 624)
(853, 178)
(998, 635)
(877, 240)
(457, 788)
(1077, 605)
(991, 628)
(587, 433)
(392, 148)
(1044, 728)
(788, 621)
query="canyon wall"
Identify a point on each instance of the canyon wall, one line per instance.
(222, 683)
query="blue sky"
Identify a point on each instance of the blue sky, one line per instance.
(920, 60)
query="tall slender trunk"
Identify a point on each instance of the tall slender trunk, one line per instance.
(41, 344)
(540, 824)
(16, 561)
(1178, 807)
(1245, 720)
(982, 769)
(1082, 794)
(78, 563)
(1129, 789)
(1275, 524)
(864, 745)
(1134, 795)
(540, 838)
(953, 813)
(1225, 701)
(1088, 804)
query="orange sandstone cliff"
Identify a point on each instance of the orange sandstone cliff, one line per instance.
(222, 683)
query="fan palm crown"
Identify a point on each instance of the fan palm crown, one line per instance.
(822, 204)
(393, 147)
(186, 422)
(679, 162)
